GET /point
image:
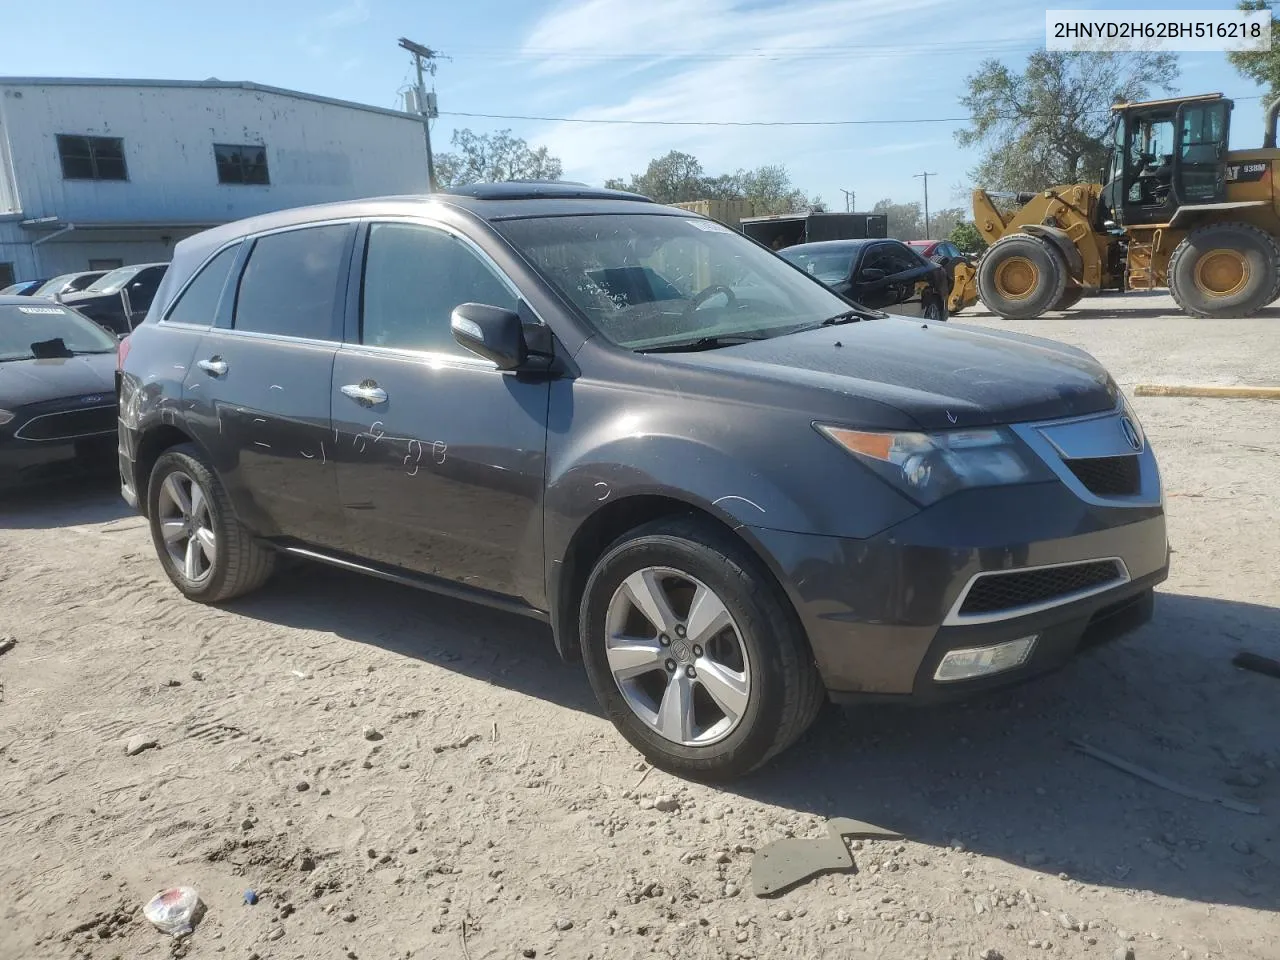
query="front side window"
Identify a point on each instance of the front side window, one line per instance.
(199, 302)
(241, 163)
(892, 259)
(91, 158)
(290, 285)
(648, 281)
(48, 330)
(413, 278)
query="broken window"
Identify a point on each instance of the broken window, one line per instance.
(91, 158)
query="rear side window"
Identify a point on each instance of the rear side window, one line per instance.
(199, 302)
(413, 278)
(290, 285)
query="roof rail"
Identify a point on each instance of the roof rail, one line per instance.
(539, 190)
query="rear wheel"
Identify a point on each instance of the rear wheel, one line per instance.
(1021, 276)
(205, 551)
(1070, 297)
(694, 653)
(1225, 270)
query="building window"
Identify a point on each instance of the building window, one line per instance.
(241, 163)
(91, 158)
(108, 264)
(6, 275)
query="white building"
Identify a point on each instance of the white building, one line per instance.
(102, 173)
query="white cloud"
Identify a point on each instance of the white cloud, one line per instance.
(735, 60)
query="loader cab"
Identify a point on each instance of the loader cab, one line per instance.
(1164, 155)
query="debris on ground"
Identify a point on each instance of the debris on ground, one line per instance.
(7, 644)
(175, 911)
(783, 864)
(139, 743)
(1154, 778)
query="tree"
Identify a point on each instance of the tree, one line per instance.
(678, 177)
(1261, 66)
(492, 158)
(967, 238)
(942, 222)
(1048, 125)
(905, 219)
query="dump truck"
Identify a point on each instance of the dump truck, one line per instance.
(1176, 209)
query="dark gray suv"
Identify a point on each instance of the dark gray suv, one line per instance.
(731, 492)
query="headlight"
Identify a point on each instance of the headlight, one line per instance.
(5, 416)
(929, 466)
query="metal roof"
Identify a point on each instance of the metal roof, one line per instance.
(199, 85)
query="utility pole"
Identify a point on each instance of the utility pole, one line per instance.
(926, 200)
(426, 109)
(848, 200)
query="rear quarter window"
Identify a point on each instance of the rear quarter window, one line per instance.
(198, 303)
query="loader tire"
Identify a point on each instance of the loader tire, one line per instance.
(1225, 270)
(1070, 297)
(1021, 276)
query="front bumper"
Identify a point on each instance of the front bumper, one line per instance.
(881, 613)
(30, 456)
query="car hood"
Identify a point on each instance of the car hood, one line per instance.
(940, 375)
(81, 297)
(31, 381)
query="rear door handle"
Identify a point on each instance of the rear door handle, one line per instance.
(366, 392)
(214, 366)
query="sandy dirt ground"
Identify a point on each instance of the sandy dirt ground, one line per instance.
(397, 775)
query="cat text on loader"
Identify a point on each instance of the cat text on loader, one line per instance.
(1177, 210)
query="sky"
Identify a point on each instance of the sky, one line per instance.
(664, 60)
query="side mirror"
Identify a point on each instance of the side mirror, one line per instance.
(871, 275)
(494, 333)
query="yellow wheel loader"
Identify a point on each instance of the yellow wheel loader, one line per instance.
(1177, 210)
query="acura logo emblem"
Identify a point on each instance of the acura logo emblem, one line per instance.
(1131, 434)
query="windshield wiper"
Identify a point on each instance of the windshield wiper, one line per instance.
(851, 315)
(702, 343)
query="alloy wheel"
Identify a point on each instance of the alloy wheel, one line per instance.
(677, 656)
(186, 526)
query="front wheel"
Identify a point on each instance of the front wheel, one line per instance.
(1225, 270)
(204, 550)
(694, 652)
(1021, 276)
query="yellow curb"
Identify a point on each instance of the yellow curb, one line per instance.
(1238, 393)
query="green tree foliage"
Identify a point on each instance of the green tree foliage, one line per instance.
(492, 158)
(942, 222)
(1048, 124)
(967, 238)
(906, 221)
(1262, 66)
(678, 177)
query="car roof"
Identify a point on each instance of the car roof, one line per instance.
(486, 201)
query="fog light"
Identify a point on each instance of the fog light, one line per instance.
(973, 662)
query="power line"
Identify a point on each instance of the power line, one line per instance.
(834, 52)
(764, 123)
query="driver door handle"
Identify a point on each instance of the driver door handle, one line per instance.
(215, 366)
(367, 392)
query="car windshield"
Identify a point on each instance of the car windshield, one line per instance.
(50, 287)
(112, 281)
(48, 330)
(829, 266)
(647, 281)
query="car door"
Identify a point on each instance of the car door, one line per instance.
(439, 454)
(258, 388)
(888, 278)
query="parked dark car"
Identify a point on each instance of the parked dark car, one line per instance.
(120, 299)
(731, 492)
(883, 274)
(23, 288)
(57, 392)
(59, 286)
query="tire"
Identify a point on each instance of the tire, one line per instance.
(933, 310)
(1225, 270)
(1021, 276)
(1070, 297)
(761, 641)
(228, 564)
